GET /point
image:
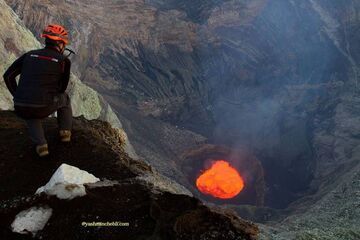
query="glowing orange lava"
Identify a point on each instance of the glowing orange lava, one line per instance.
(221, 180)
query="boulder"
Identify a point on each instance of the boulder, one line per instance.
(68, 182)
(31, 220)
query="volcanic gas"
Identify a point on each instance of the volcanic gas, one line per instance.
(221, 180)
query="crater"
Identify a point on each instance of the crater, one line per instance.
(196, 161)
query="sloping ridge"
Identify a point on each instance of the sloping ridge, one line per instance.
(17, 40)
(154, 209)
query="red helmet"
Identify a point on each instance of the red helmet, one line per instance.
(56, 32)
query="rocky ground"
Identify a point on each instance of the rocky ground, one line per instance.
(333, 215)
(273, 76)
(151, 207)
(17, 40)
(278, 77)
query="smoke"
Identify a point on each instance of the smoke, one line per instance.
(270, 78)
(246, 118)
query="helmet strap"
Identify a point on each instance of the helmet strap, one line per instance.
(61, 49)
(54, 45)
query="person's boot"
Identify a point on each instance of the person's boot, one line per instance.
(42, 150)
(65, 135)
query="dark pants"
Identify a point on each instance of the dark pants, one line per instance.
(34, 116)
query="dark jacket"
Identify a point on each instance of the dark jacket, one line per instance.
(44, 73)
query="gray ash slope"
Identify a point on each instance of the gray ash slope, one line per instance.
(137, 195)
(279, 77)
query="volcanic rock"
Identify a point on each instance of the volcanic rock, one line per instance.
(278, 77)
(31, 220)
(15, 40)
(68, 182)
(126, 197)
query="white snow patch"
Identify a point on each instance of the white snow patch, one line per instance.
(68, 182)
(31, 220)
